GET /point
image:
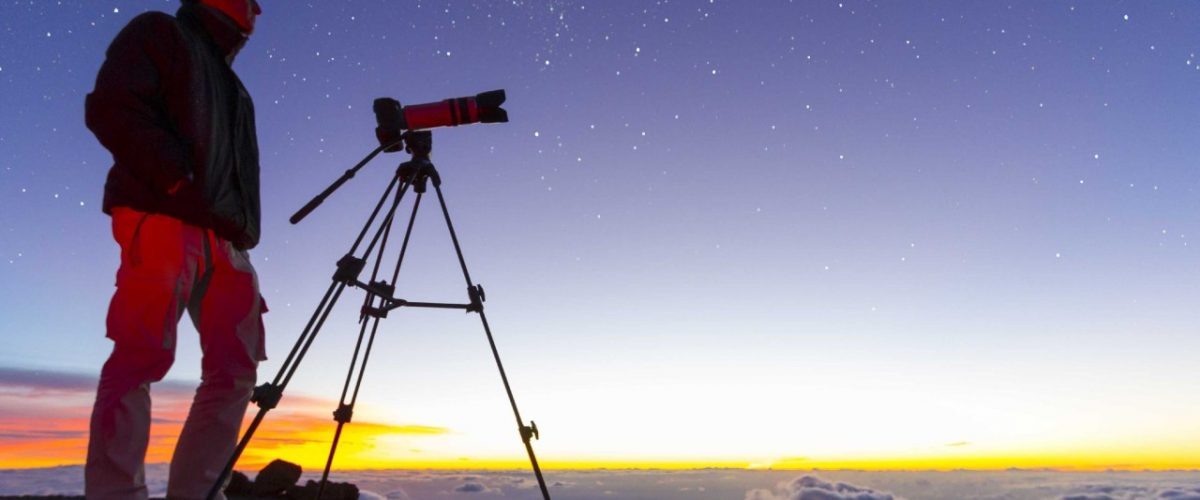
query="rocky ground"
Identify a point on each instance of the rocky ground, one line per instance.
(278, 480)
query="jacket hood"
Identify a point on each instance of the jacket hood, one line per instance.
(222, 32)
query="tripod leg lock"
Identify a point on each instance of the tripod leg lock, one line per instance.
(528, 431)
(387, 292)
(348, 269)
(374, 312)
(477, 298)
(267, 396)
(383, 289)
(343, 413)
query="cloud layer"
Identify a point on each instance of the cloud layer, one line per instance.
(813, 488)
(1127, 492)
(715, 484)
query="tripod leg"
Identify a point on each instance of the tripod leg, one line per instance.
(407, 236)
(526, 431)
(268, 395)
(345, 411)
(476, 294)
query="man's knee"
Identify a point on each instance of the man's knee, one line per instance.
(136, 365)
(229, 374)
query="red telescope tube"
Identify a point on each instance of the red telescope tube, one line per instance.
(393, 118)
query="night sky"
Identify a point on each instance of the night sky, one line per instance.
(731, 232)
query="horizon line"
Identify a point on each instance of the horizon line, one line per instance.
(686, 466)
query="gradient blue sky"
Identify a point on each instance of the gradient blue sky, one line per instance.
(712, 231)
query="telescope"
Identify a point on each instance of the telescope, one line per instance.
(392, 118)
(399, 127)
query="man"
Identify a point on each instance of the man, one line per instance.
(183, 196)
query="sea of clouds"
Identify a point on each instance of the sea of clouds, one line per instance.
(33, 403)
(716, 484)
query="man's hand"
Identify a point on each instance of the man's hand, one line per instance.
(175, 187)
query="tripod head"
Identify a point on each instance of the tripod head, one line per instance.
(419, 169)
(418, 143)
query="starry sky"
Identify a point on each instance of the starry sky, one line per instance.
(769, 233)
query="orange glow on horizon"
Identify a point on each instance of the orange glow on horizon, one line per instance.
(304, 441)
(51, 429)
(56, 434)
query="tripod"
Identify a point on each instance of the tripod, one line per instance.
(415, 174)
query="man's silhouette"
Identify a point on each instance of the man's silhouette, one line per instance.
(183, 194)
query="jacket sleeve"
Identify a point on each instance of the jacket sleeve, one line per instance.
(130, 109)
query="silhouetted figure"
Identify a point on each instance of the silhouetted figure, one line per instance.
(183, 194)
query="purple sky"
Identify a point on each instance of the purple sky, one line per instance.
(702, 213)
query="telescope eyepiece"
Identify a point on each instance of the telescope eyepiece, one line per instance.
(389, 121)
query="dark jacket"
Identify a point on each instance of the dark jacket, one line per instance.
(169, 108)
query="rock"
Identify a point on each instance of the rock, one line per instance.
(333, 491)
(275, 478)
(239, 485)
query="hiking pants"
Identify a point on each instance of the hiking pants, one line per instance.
(167, 267)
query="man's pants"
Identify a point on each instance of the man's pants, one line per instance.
(168, 266)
